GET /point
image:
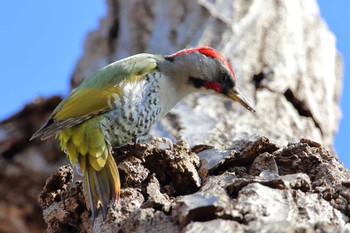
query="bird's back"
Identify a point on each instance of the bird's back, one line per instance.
(98, 93)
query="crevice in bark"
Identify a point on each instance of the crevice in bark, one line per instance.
(113, 34)
(257, 78)
(114, 29)
(301, 107)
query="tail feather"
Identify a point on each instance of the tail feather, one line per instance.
(86, 145)
(102, 186)
(89, 184)
(103, 190)
(113, 178)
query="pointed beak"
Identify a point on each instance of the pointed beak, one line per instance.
(237, 96)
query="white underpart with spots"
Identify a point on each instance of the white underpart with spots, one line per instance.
(136, 112)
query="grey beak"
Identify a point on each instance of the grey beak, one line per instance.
(238, 96)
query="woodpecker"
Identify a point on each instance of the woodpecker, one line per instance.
(121, 101)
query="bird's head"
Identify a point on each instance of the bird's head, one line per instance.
(206, 70)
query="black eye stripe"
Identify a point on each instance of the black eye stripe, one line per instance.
(225, 79)
(197, 82)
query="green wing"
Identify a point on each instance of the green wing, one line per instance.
(97, 92)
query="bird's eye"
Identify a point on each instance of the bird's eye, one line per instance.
(226, 79)
(223, 77)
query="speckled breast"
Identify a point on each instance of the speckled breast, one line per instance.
(136, 112)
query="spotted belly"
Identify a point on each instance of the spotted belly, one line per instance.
(137, 112)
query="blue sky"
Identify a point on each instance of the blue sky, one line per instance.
(42, 40)
(337, 15)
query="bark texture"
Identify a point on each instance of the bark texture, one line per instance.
(258, 186)
(230, 170)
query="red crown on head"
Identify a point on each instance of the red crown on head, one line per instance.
(208, 51)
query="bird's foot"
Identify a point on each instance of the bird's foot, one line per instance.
(159, 141)
(156, 141)
(77, 171)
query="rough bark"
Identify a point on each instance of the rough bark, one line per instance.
(235, 171)
(258, 186)
(24, 167)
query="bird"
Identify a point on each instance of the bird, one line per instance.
(120, 102)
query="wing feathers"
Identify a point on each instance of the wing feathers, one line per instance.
(87, 101)
(98, 93)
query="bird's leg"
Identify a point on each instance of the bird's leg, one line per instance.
(156, 141)
(77, 171)
(143, 139)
